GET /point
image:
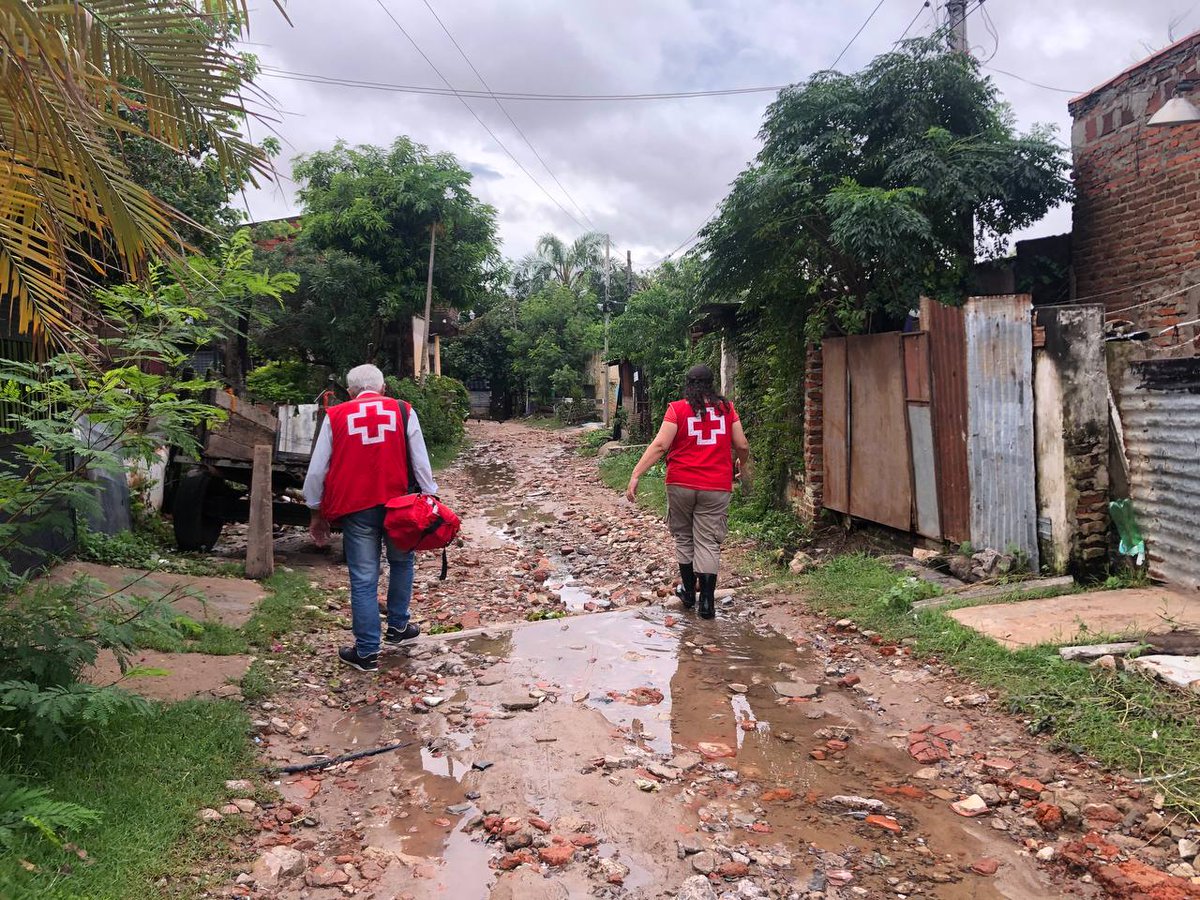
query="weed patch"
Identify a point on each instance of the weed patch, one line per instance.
(1123, 720)
(290, 602)
(144, 777)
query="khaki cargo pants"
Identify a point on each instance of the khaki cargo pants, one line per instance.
(698, 521)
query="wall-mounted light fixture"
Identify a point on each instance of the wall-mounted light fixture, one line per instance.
(1179, 110)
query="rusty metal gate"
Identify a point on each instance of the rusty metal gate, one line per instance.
(876, 400)
(948, 396)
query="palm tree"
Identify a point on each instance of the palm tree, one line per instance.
(568, 265)
(78, 78)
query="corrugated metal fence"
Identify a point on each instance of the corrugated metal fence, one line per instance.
(1000, 435)
(1160, 411)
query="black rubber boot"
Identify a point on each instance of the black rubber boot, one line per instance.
(708, 596)
(687, 591)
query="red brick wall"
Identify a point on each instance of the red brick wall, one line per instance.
(812, 495)
(1137, 209)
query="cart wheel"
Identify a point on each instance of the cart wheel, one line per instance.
(195, 529)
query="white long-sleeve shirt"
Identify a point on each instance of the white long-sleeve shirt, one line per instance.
(318, 464)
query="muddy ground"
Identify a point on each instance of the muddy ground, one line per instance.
(631, 750)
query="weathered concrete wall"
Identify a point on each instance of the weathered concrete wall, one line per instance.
(729, 365)
(1072, 434)
(1138, 196)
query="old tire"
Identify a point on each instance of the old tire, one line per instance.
(196, 529)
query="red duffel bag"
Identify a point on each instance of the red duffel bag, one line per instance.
(421, 522)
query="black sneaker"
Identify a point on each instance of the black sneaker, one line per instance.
(349, 655)
(396, 636)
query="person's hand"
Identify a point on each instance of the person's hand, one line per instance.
(631, 491)
(318, 529)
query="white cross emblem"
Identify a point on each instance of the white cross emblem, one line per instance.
(371, 422)
(706, 430)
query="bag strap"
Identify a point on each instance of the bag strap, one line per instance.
(429, 529)
(413, 487)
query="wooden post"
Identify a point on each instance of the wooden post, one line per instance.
(437, 355)
(260, 544)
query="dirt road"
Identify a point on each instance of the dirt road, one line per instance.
(631, 750)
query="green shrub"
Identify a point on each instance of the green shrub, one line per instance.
(593, 440)
(441, 405)
(287, 381)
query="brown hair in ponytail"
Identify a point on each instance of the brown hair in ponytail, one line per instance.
(699, 392)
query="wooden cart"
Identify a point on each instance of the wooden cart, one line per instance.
(203, 494)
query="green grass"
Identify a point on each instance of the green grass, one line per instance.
(1123, 720)
(151, 547)
(288, 593)
(147, 777)
(652, 488)
(188, 636)
(282, 610)
(442, 455)
(592, 441)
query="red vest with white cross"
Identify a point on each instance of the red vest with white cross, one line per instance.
(701, 456)
(369, 465)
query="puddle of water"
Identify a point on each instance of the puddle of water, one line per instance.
(703, 710)
(607, 656)
(463, 871)
(574, 596)
(610, 655)
(444, 765)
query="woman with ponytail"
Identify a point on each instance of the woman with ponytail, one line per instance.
(700, 436)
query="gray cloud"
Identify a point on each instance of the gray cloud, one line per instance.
(650, 172)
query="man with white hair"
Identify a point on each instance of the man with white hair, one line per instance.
(370, 449)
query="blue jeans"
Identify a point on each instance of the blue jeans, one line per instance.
(362, 537)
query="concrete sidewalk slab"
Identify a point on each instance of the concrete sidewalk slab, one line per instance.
(189, 675)
(229, 601)
(1081, 618)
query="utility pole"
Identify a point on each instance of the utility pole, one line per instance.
(607, 318)
(956, 10)
(425, 365)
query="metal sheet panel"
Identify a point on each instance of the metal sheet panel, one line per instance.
(835, 425)
(925, 488)
(948, 393)
(1160, 414)
(916, 367)
(297, 428)
(880, 463)
(1000, 435)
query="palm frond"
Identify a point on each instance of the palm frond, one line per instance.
(70, 72)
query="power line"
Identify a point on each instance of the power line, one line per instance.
(504, 110)
(924, 6)
(691, 237)
(475, 115)
(313, 78)
(861, 29)
(1037, 84)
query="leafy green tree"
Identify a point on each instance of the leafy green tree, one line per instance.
(379, 207)
(864, 193)
(331, 319)
(556, 329)
(482, 352)
(653, 330)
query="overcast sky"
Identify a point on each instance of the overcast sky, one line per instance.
(649, 173)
